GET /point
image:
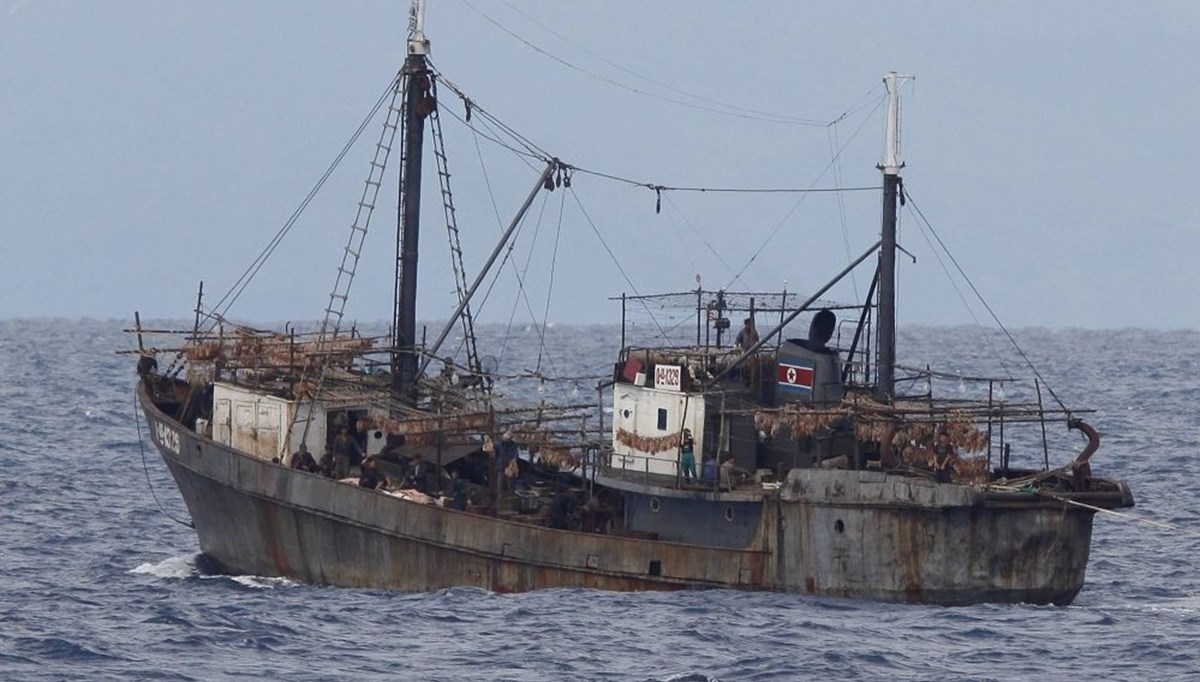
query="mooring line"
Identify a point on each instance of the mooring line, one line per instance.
(1152, 522)
(146, 467)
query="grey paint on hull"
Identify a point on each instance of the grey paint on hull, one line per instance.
(950, 546)
(694, 521)
(936, 543)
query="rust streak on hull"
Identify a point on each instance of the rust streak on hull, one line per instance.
(256, 517)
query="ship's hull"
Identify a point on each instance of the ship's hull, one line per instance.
(846, 534)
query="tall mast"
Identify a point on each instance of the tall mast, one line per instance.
(417, 100)
(886, 330)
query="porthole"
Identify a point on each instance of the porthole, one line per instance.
(729, 513)
(839, 526)
(655, 505)
(378, 435)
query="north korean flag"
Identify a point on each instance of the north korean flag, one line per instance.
(796, 377)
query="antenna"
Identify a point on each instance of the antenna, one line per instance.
(891, 151)
(886, 330)
(417, 42)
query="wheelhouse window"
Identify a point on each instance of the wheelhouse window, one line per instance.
(662, 419)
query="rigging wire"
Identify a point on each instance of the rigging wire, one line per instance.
(239, 286)
(495, 139)
(521, 275)
(508, 255)
(473, 106)
(534, 151)
(562, 202)
(699, 234)
(724, 190)
(682, 241)
(983, 301)
(1122, 515)
(832, 136)
(523, 156)
(787, 216)
(496, 210)
(769, 118)
(146, 467)
(668, 86)
(616, 262)
(962, 297)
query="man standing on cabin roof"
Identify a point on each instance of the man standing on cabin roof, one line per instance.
(346, 451)
(747, 336)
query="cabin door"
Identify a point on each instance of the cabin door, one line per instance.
(268, 430)
(626, 419)
(243, 426)
(221, 421)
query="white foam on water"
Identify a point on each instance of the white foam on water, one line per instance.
(173, 567)
(180, 567)
(1183, 605)
(259, 582)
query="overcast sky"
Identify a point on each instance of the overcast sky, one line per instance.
(146, 146)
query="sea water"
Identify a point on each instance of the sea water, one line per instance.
(97, 583)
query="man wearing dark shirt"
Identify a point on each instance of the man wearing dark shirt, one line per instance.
(370, 476)
(303, 460)
(346, 452)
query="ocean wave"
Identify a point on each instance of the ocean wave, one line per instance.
(176, 568)
(191, 566)
(99, 583)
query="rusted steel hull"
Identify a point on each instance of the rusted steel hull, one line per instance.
(866, 534)
(826, 533)
(259, 518)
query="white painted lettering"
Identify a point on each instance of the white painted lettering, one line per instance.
(669, 377)
(167, 437)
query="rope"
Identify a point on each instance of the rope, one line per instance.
(616, 262)
(533, 151)
(745, 113)
(473, 106)
(1130, 517)
(668, 86)
(146, 467)
(239, 286)
(832, 136)
(987, 307)
(493, 138)
(787, 216)
(725, 190)
(562, 203)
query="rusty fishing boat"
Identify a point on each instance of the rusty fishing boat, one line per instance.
(798, 464)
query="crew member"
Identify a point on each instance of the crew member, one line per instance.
(944, 458)
(302, 460)
(747, 336)
(369, 477)
(346, 453)
(687, 455)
